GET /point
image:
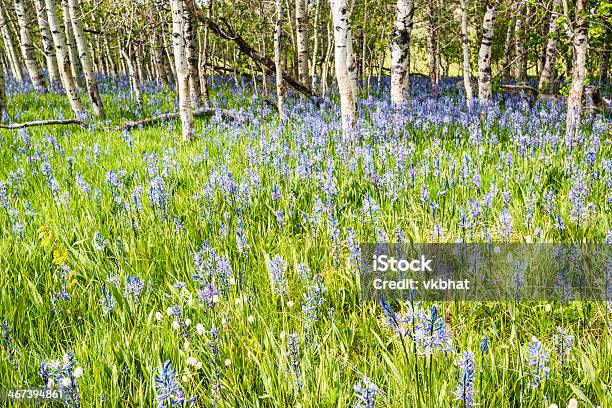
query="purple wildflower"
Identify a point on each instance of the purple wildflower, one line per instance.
(168, 391)
(365, 394)
(465, 386)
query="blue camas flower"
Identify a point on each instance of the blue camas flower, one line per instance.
(431, 333)
(465, 386)
(365, 393)
(293, 345)
(390, 315)
(7, 342)
(158, 196)
(208, 294)
(168, 391)
(563, 344)
(99, 243)
(277, 267)
(107, 301)
(62, 374)
(484, 345)
(133, 287)
(537, 362)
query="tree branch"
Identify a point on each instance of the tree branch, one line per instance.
(521, 88)
(198, 113)
(42, 123)
(228, 33)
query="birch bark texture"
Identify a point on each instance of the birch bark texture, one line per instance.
(465, 44)
(88, 69)
(179, 43)
(204, 85)
(132, 75)
(277, 59)
(3, 110)
(348, 99)
(520, 62)
(400, 50)
(63, 60)
(484, 54)
(301, 28)
(547, 77)
(315, 51)
(158, 60)
(70, 46)
(47, 43)
(432, 44)
(577, 33)
(191, 40)
(9, 46)
(27, 46)
(351, 61)
(326, 60)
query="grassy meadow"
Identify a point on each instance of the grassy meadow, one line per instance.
(137, 270)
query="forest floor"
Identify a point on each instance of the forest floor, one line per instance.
(227, 268)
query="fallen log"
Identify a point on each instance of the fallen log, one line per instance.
(198, 113)
(42, 123)
(521, 88)
(228, 33)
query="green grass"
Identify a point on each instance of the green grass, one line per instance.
(121, 352)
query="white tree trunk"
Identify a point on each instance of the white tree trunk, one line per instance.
(290, 21)
(9, 46)
(165, 59)
(169, 57)
(204, 80)
(47, 42)
(179, 42)
(351, 61)
(315, 51)
(577, 33)
(277, 59)
(95, 59)
(301, 27)
(326, 61)
(465, 43)
(548, 75)
(3, 107)
(132, 75)
(400, 50)
(348, 98)
(138, 64)
(158, 59)
(27, 46)
(73, 54)
(192, 59)
(62, 58)
(484, 55)
(432, 44)
(520, 62)
(109, 57)
(84, 57)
